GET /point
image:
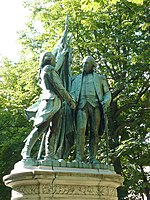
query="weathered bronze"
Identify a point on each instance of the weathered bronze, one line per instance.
(45, 110)
(68, 111)
(53, 113)
(90, 91)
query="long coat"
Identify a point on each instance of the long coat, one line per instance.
(102, 92)
(50, 99)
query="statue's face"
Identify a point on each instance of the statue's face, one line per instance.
(49, 59)
(87, 65)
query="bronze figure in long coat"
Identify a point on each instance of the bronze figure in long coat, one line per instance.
(43, 111)
(90, 91)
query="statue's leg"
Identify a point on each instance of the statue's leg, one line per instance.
(94, 134)
(32, 138)
(53, 136)
(30, 141)
(58, 133)
(47, 150)
(82, 116)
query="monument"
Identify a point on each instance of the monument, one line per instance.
(66, 110)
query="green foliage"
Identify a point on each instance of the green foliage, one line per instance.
(17, 89)
(116, 34)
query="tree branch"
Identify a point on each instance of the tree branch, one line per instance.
(117, 92)
(121, 127)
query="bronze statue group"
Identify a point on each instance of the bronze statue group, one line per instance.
(69, 110)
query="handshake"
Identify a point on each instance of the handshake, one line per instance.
(72, 103)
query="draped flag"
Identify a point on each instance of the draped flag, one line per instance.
(63, 54)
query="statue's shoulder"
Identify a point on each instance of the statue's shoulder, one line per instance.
(101, 76)
(48, 68)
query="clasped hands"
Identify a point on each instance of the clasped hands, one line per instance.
(72, 104)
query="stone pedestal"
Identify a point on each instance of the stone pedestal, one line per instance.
(63, 182)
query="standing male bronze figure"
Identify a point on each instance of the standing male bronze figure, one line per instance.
(91, 92)
(43, 112)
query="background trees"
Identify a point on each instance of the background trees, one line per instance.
(117, 36)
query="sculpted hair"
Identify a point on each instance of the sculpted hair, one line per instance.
(42, 64)
(91, 59)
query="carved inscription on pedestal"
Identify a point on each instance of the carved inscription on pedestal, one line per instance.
(85, 190)
(46, 188)
(27, 189)
(65, 189)
(107, 191)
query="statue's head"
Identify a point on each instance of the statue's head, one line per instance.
(88, 64)
(48, 59)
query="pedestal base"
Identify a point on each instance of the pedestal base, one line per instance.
(57, 183)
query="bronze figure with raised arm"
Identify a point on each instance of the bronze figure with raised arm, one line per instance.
(43, 112)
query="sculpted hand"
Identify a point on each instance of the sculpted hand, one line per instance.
(72, 104)
(64, 51)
